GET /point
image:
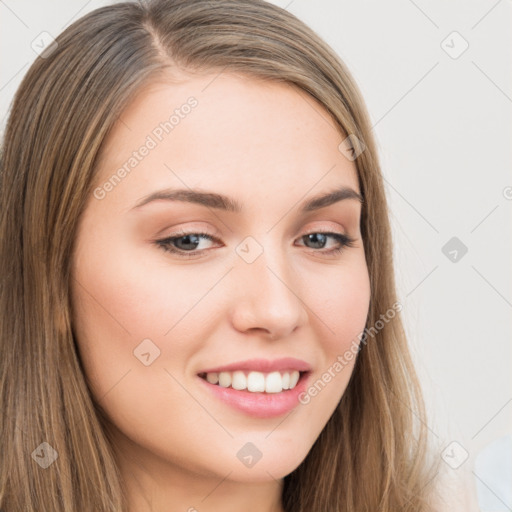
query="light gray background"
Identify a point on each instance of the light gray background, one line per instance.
(443, 127)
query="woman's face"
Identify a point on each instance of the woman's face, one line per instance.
(156, 322)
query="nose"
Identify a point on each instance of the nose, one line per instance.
(267, 298)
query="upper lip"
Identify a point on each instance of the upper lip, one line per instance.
(263, 365)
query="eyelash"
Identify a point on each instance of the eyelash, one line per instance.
(166, 243)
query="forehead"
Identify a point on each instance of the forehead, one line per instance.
(228, 129)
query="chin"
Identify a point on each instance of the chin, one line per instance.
(264, 459)
(261, 472)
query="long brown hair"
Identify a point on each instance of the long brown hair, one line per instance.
(372, 453)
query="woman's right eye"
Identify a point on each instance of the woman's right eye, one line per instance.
(183, 239)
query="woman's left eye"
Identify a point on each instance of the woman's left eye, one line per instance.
(322, 237)
(180, 243)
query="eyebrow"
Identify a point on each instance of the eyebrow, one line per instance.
(222, 202)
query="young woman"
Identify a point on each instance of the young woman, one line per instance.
(198, 300)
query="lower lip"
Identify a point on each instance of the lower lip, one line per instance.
(260, 405)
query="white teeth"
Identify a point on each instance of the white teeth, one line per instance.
(224, 379)
(239, 381)
(255, 382)
(212, 378)
(274, 383)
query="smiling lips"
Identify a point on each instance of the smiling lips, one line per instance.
(258, 375)
(255, 382)
(258, 388)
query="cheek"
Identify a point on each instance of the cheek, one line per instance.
(342, 305)
(340, 309)
(123, 309)
(129, 294)
(120, 301)
(131, 302)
